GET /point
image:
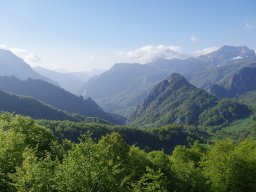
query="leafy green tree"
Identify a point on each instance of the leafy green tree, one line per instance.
(115, 151)
(152, 181)
(218, 166)
(34, 174)
(11, 147)
(161, 161)
(138, 162)
(185, 167)
(36, 136)
(114, 147)
(244, 166)
(85, 168)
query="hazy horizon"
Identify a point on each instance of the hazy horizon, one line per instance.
(86, 35)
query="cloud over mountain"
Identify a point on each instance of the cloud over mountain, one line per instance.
(27, 56)
(150, 53)
(204, 51)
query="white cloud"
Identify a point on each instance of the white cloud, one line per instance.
(193, 39)
(27, 56)
(205, 51)
(2, 46)
(150, 53)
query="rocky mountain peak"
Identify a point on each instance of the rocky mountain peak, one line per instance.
(227, 54)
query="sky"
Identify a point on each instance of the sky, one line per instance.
(78, 35)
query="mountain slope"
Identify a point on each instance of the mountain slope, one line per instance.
(11, 65)
(68, 81)
(123, 86)
(236, 84)
(30, 107)
(56, 97)
(175, 100)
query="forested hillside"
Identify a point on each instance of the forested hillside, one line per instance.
(57, 97)
(31, 159)
(30, 107)
(175, 100)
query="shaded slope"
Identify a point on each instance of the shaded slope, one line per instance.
(30, 107)
(56, 97)
(236, 84)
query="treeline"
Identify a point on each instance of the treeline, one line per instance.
(160, 138)
(31, 159)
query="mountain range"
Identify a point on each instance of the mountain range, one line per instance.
(71, 81)
(142, 92)
(29, 106)
(17, 77)
(57, 97)
(124, 86)
(242, 81)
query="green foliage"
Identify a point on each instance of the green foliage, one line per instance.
(237, 131)
(11, 148)
(186, 170)
(17, 135)
(35, 136)
(30, 107)
(248, 98)
(32, 160)
(88, 168)
(225, 111)
(231, 168)
(34, 174)
(151, 181)
(165, 137)
(175, 101)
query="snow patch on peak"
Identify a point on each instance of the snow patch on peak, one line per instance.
(238, 57)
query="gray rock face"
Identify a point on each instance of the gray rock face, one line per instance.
(239, 83)
(228, 54)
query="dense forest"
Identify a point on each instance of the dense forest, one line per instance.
(33, 159)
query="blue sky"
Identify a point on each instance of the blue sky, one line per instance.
(81, 34)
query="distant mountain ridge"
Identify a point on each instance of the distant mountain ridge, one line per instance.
(68, 81)
(56, 97)
(11, 65)
(124, 86)
(244, 80)
(30, 107)
(227, 55)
